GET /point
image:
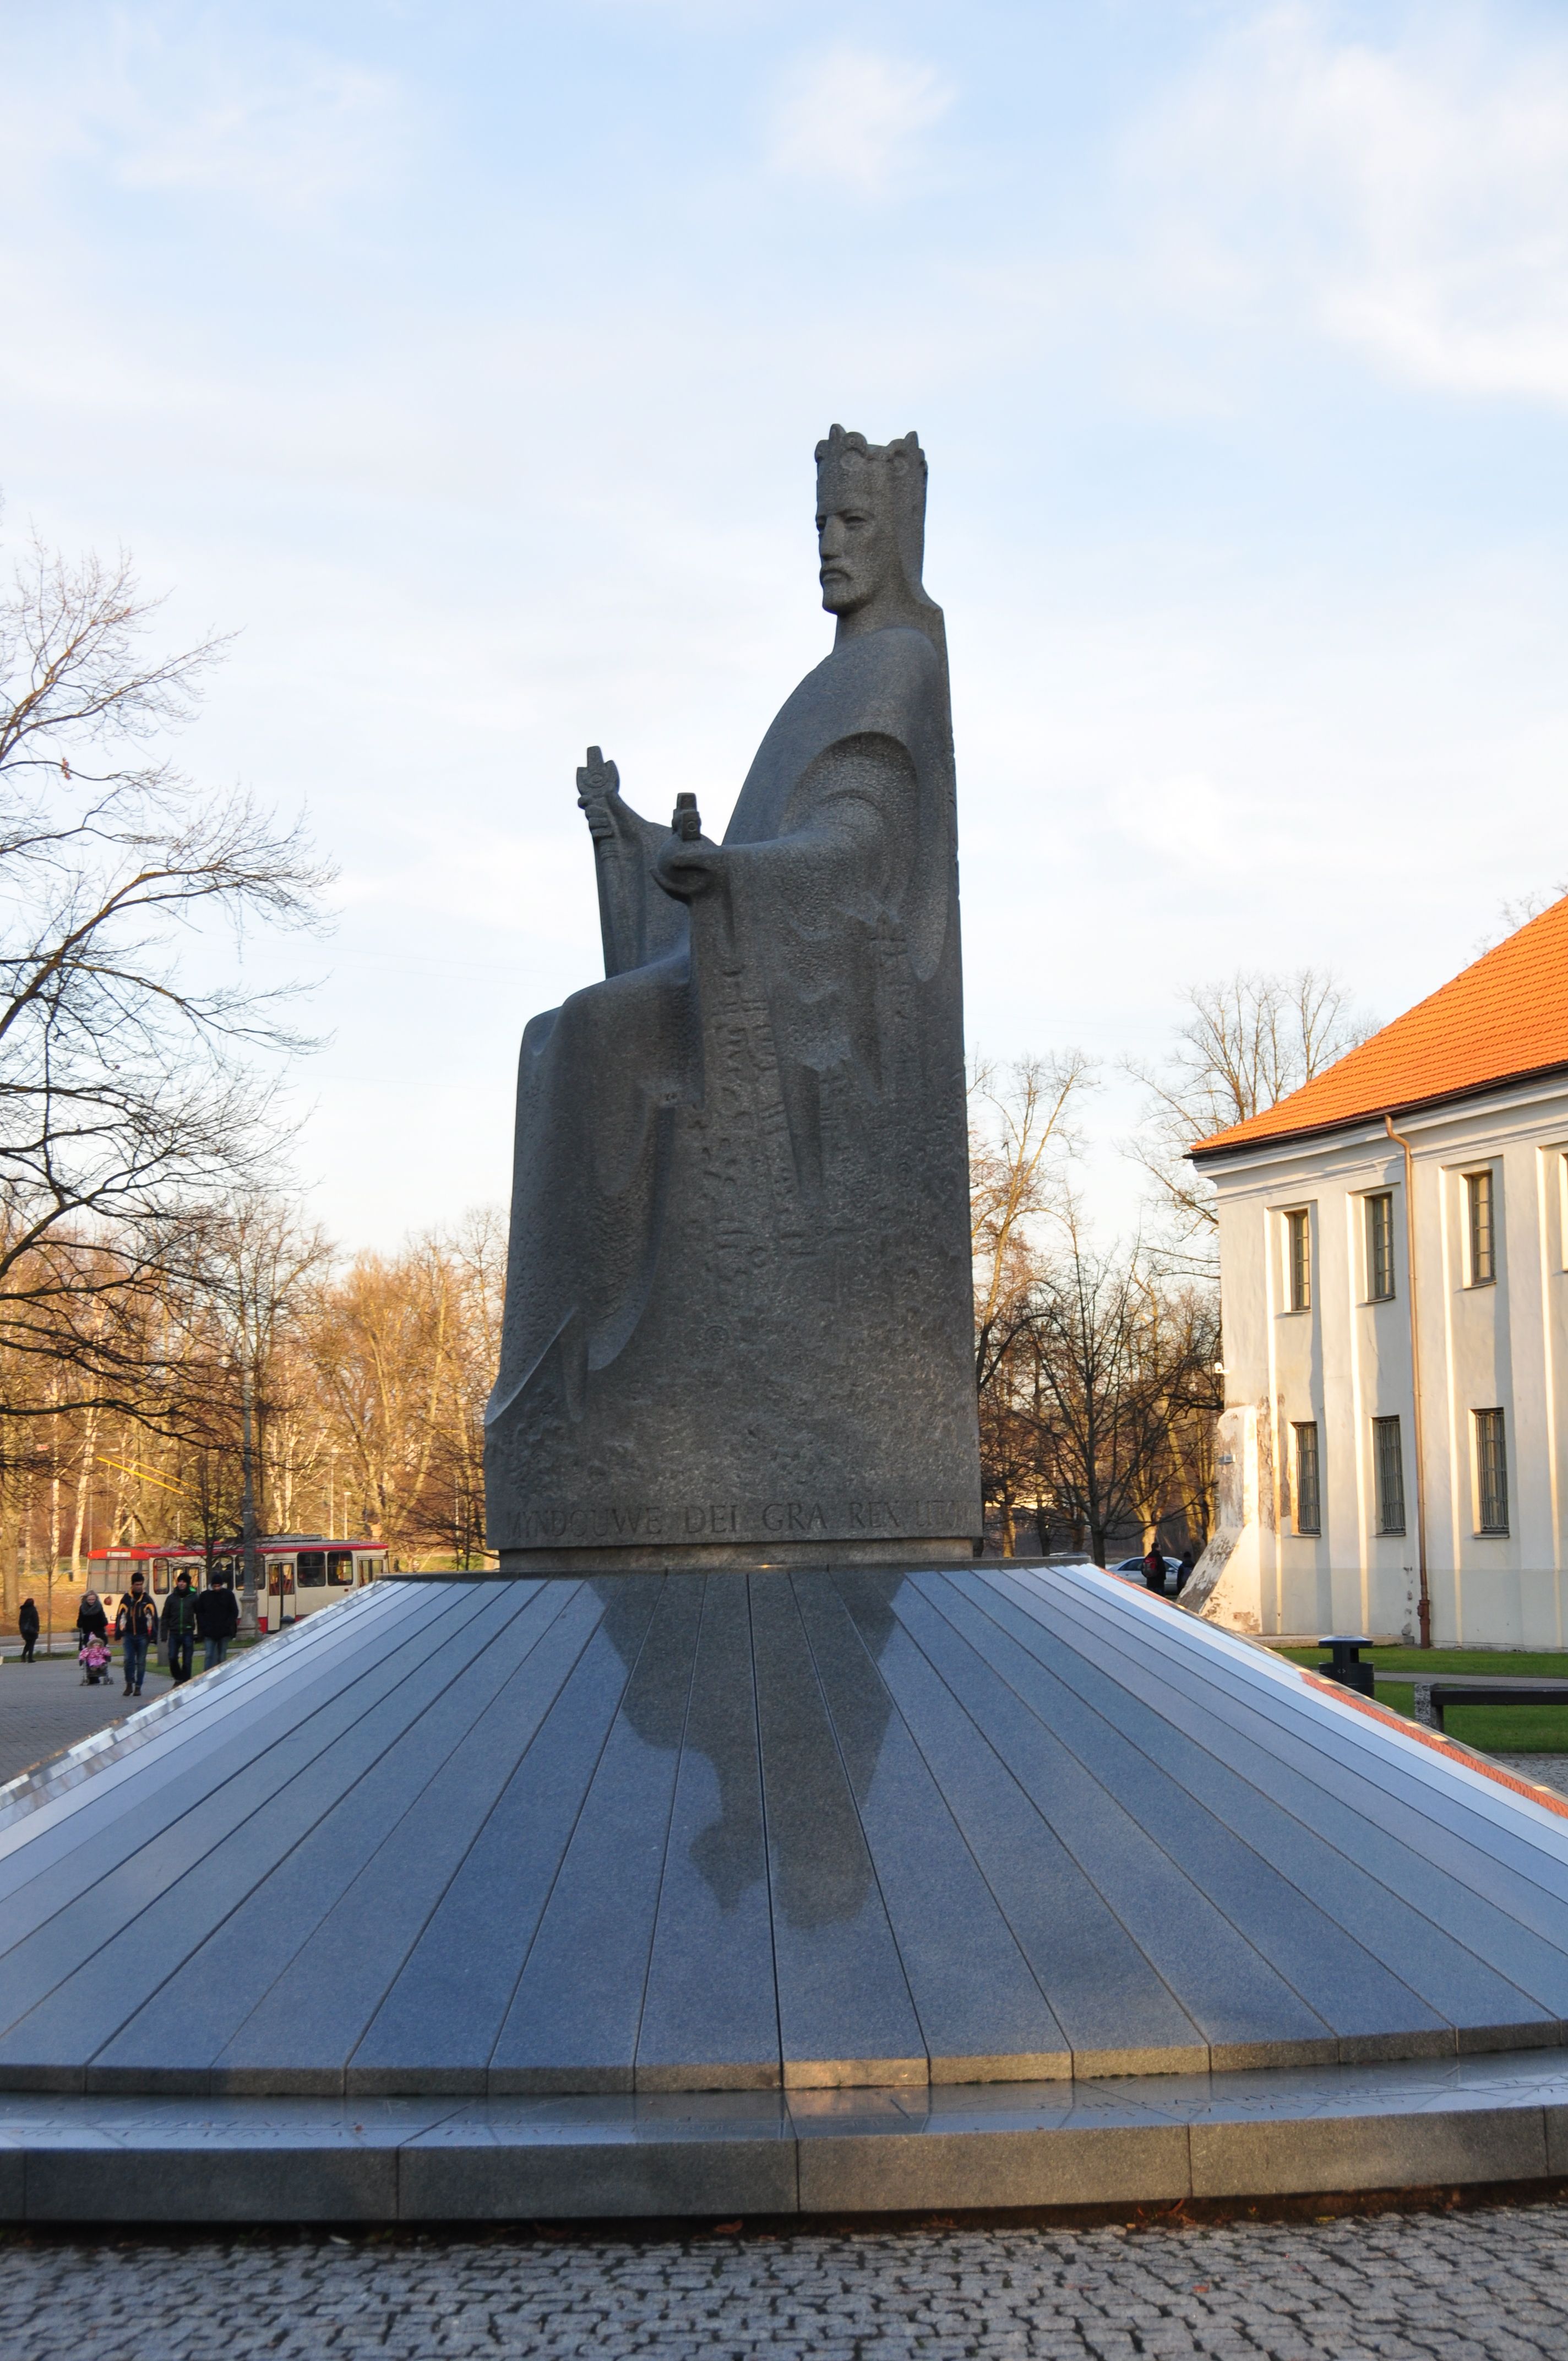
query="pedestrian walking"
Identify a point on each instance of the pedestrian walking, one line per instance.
(179, 1629)
(27, 1625)
(93, 1640)
(136, 1628)
(1183, 1570)
(218, 1621)
(1154, 1568)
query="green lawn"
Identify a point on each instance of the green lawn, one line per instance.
(1544, 1664)
(1493, 1729)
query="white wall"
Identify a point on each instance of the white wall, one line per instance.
(1347, 1360)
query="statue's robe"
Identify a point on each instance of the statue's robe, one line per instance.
(738, 1312)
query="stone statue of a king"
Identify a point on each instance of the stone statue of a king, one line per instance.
(739, 1323)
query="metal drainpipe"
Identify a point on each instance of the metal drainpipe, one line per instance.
(1424, 1604)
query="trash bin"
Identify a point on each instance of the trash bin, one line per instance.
(1345, 1664)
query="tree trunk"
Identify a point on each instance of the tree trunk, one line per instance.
(83, 1485)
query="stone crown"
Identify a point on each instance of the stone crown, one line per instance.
(888, 474)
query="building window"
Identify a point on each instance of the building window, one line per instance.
(1298, 1259)
(1309, 1491)
(1380, 1248)
(1491, 1473)
(1388, 1475)
(1483, 1236)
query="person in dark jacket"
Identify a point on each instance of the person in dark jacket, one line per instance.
(27, 1625)
(92, 1622)
(136, 1628)
(179, 1629)
(218, 1621)
(1154, 1568)
(1183, 1570)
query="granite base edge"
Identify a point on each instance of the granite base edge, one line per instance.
(1488, 2122)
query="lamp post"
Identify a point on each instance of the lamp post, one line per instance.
(247, 1510)
(1423, 1602)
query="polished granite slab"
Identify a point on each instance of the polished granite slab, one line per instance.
(1130, 2141)
(766, 1839)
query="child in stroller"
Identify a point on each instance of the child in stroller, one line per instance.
(93, 1659)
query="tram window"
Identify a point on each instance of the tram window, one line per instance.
(343, 1566)
(313, 1569)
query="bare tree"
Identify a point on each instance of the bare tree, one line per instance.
(381, 1339)
(1022, 1128)
(257, 1266)
(130, 1097)
(1124, 1385)
(1023, 1131)
(366, 1380)
(453, 1510)
(1518, 911)
(1241, 1047)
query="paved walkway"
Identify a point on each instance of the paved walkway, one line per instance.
(1459, 2285)
(44, 1706)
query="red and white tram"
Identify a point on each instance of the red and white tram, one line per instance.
(297, 1573)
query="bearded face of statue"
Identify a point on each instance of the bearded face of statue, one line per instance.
(858, 549)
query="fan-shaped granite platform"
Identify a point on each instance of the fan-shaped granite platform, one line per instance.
(852, 1833)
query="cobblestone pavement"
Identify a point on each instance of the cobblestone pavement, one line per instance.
(1488, 2282)
(44, 1706)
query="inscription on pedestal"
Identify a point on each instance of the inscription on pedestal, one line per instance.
(582, 1525)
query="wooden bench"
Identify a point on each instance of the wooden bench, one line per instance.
(1444, 1694)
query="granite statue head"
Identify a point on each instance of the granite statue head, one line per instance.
(871, 533)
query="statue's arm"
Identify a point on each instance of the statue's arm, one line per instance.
(846, 834)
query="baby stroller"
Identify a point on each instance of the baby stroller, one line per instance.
(94, 1660)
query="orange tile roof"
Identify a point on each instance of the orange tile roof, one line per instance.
(1503, 1019)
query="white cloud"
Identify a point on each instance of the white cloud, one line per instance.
(313, 130)
(851, 115)
(1410, 198)
(1186, 824)
(284, 126)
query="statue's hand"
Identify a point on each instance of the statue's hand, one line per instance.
(599, 790)
(687, 869)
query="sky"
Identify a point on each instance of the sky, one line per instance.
(466, 359)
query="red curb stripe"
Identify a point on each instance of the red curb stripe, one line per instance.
(1448, 1748)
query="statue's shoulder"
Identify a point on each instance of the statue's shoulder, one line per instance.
(899, 653)
(871, 681)
(890, 684)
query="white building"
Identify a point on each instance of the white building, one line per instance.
(1349, 1494)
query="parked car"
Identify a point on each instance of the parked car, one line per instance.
(1133, 1567)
